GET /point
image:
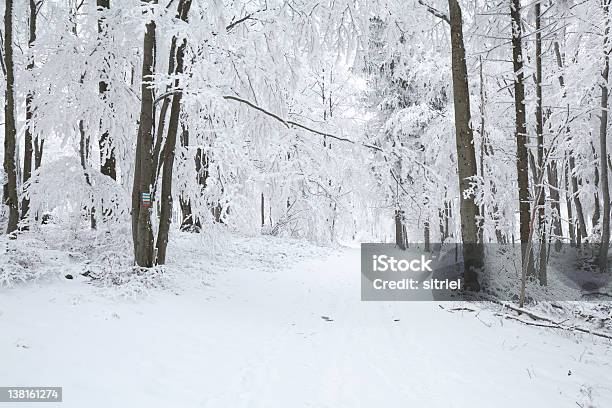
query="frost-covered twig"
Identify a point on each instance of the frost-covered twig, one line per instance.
(435, 12)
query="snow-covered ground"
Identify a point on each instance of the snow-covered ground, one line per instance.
(263, 322)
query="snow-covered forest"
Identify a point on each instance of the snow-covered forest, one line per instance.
(323, 121)
(236, 152)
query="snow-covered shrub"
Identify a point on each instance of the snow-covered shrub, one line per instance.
(81, 191)
(503, 276)
(128, 281)
(18, 265)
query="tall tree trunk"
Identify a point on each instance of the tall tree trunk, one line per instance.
(39, 145)
(10, 131)
(263, 214)
(603, 135)
(188, 221)
(573, 180)
(522, 156)
(541, 192)
(158, 152)
(596, 204)
(552, 169)
(170, 146)
(108, 162)
(84, 157)
(187, 215)
(486, 150)
(553, 181)
(473, 252)
(84, 147)
(144, 172)
(483, 136)
(28, 142)
(448, 212)
(568, 203)
(441, 220)
(581, 227)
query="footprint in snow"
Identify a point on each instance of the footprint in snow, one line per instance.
(22, 344)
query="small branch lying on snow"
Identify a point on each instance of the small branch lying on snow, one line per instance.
(461, 309)
(507, 316)
(435, 12)
(548, 322)
(558, 326)
(457, 309)
(589, 294)
(521, 310)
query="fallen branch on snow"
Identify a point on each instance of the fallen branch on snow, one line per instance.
(457, 309)
(557, 326)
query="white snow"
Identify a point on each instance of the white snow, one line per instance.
(266, 331)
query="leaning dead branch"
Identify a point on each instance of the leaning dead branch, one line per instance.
(292, 124)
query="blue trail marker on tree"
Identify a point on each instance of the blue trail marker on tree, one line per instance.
(146, 199)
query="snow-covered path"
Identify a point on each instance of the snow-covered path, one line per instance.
(295, 337)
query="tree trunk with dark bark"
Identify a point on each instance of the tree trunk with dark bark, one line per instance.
(568, 204)
(188, 221)
(572, 181)
(473, 252)
(581, 230)
(39, 145)
(165, 217)
(522, 156)
(28, 141)
(263, 212)
(84, 157)
(541, 192)
(400, 240)
(603, 153)
(10, 131)
(170, 147)
(108, 162)
(144, 171)
(553, 182)
(596, 203)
